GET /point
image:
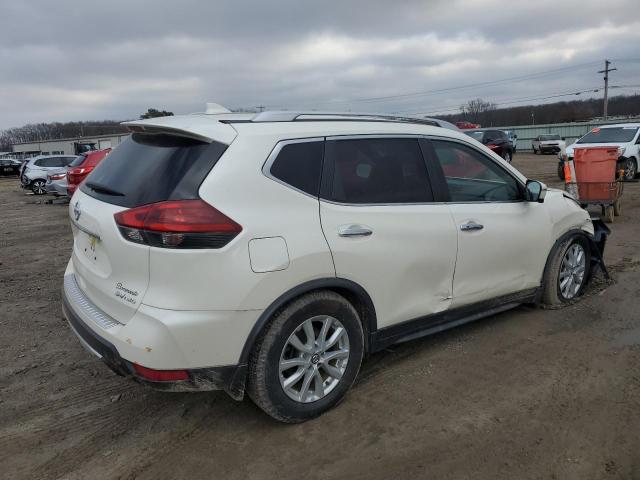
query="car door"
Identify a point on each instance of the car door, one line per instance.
(502, 238)
(383, 229)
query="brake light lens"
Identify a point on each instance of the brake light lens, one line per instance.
(177, 224)
(161, 375)
(57, 176)
(492, 146)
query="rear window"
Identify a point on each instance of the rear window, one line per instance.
(78, 161)
(299, 165)
(549, 137)
(609, 135)
(476, 135)
(149, 168)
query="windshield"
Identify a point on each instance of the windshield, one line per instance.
(609, 135)
(549, 137)
(476, 135)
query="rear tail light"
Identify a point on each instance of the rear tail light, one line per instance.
(57, 176)
(492, 146)
(177, 224)
(161, 375)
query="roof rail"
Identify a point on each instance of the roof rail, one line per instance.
(298, 116)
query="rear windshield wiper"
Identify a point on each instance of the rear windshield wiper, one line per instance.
(96, 187)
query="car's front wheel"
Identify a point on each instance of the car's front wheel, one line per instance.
(38, 187)
(308, 357)
(568, 271)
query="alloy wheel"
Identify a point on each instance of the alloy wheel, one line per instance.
(314, 359)
(630, 169)
(38, 187)
(572, 271)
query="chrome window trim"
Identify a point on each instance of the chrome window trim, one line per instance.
(266, 167)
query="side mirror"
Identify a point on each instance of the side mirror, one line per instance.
(536, 191)
(562, 138)
(515, 136)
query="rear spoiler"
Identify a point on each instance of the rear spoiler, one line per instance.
(199, 128)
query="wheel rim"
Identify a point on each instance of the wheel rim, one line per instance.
(630, 170)
(314, 359)
(39, 188)
(572, 271)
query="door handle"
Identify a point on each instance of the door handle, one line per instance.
(354, 231)
(471, 225)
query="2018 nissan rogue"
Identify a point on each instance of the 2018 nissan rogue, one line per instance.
(270, 253)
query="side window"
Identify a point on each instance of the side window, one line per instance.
(300, 165)
(472, 176)
(377, 170)
(66, 160)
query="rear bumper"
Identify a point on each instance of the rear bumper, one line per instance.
(550, 148)
(229, 378)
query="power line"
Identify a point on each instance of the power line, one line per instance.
(455, 108)
(460, 87)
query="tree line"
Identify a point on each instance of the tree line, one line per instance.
(486, 114)
(37, 132)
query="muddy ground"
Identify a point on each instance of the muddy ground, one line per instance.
(531, 393)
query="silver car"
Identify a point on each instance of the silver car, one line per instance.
(35, 171)
(57, 183)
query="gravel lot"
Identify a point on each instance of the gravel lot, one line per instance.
(530, 393)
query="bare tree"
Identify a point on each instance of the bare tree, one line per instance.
(478, 111)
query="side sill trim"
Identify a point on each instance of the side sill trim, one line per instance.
(439, 322)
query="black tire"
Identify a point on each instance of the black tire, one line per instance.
(552, 294)
(535, 152)
(264, 386)
(507, 156)
(560, 171)
(38, 187)
(617, 208)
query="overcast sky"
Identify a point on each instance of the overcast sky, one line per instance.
(82, 59)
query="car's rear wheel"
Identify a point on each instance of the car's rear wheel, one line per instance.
(38, 187)
(308, 357)
(507, 156)
(568, 271)
(630, 169)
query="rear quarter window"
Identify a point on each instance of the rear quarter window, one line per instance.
(299, 164)
(148, 168)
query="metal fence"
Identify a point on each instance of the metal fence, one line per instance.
(570, 131)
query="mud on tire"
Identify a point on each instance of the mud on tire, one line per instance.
(265, 370)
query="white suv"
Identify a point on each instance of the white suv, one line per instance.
(625, 136)
(272, 252)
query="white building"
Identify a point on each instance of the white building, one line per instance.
(67, 146)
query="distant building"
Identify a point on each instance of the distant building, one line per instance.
(68, 146)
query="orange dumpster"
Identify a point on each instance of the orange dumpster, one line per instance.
(595, 170)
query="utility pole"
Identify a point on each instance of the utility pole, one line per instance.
(260, 108)
(606, 86)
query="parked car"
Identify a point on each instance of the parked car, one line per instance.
(547, 143)
(57, 183)
(495, 140)
(35, 171)
(626, 136)
(9, 166)
(270, 253)
(83, 166)
(513, 138)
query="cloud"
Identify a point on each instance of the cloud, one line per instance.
(74, 60)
